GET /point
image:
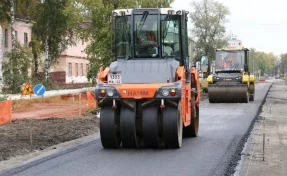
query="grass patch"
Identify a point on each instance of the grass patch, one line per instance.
(204, 89)
(92, 111)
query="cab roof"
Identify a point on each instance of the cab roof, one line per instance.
(233, 49)
(163, 11)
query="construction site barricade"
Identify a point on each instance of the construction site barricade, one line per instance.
(92, 102)
(5, 111)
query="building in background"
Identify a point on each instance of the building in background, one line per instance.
(72, 67)
(23, 35)
(73, 63)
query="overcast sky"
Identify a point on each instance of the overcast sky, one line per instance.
(261, 24)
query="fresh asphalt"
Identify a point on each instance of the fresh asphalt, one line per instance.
(222, 133)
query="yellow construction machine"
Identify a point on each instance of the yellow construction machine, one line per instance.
(232, 81)
(150, 95)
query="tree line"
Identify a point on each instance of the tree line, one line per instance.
(58, 24)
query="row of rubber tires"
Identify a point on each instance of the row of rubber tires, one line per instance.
(156, 128)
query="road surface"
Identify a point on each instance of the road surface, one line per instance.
(223, 129)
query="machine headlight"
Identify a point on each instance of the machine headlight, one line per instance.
(165, 92)
(110, 93)
(103, 93)
(172, 92)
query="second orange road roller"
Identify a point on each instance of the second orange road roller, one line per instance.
(150, 95)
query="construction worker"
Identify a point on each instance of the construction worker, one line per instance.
(148, 39)
(227, 62)
(220, 62)
(151, 36)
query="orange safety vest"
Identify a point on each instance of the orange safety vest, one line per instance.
(226, 65)
(150, 36)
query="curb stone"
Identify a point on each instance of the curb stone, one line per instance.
(231, 170)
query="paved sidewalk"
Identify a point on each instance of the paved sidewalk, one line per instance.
(273, 123)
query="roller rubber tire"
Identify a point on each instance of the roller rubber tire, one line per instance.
(172, 127)
(192, 129)
(109, 128)
(128, 128)
(150, 127)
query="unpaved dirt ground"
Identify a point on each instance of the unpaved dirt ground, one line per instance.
(272, 123)
(49, 121)
(16, 135)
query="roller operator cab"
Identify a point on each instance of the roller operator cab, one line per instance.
(149, 96)
(232, 82)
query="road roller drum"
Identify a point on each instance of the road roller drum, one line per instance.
(228, 93)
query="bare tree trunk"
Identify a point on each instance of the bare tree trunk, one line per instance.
(47, 63)
(47, 59)
(36, 65)
(12, 23)
(13, 37)
(1, 58)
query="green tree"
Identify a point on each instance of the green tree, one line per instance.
(15, 69)
(52, 29)
(283, 64)
(4, 13)
(265, 62)
(151, 3)
(23, 9)
(4, 22)
(26, 8)
(208, 18)
(35, 46)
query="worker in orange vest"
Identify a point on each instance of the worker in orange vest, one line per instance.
(151, 36)
(227, 62)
